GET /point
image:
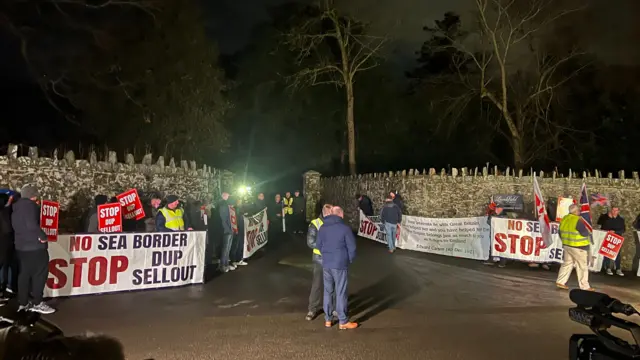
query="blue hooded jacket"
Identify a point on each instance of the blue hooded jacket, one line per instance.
(336, 243)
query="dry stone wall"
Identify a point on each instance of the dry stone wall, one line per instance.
(74, 182)
(461, 192)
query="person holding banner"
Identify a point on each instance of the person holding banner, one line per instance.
(237, 249)
(612, 221)
(171, 216)
(227, 235)
(576, 241)
(32, 249)
(92, 218)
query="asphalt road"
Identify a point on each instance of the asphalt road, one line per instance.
(411, 306)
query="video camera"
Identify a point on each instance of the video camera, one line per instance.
(25, 336)
(596, 310)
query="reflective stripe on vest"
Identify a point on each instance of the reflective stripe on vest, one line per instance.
(288, 203)
(317, 223)
(569, 233)
(173, 219)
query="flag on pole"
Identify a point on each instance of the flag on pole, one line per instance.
(541, 213)
(585, 208)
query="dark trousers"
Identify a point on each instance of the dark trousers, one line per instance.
(7, 262)
(612, 264)
(237, 249)
(34, 269)
(317, 289)
(335, 283)
(227, 242)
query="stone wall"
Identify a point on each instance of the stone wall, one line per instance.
(460, 193)
(74, 182)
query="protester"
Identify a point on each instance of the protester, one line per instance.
(6, 246)
(498, 212)
(576, 241)
(337, 247)
(152, 212)
(397, 199)
(31, 245)
(275, 219)
(237, 248)
(317, 285)
(612, 221)
(390, 216)
(260, 204)
(227, 236)
(171, 216)
(365, 204)
(92, 219)
(298, 213)
(287, 204)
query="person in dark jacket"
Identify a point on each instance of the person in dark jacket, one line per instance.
(612, 221)
(31, 246)
(397, 199)
(260, 204)
(227, 233)
(498, 212)
(275, 219)
(317, 285)
(365, 204)
(92, 218)
(6, 245)
(337, 247)
(299, 205)
(237, 248)
(390, 216)
(151, 212)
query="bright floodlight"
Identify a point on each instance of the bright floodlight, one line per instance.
(242, 190)
(248, 188)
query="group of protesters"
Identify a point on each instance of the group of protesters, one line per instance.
(390, 214)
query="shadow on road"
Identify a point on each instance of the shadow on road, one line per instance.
(382, 295)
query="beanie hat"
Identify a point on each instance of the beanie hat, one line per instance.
(29, 191)
(100, 199)
(171, 199)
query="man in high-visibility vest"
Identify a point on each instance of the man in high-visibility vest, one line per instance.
(317, 284)
(171, 216)
(576, 242)
(287, 204)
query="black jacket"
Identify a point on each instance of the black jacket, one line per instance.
(391, 213)
(365, 205)
(312, 238)
(5, 221)
(25, 221)
(298, 205)
(258, 206)
(225, 216)
(275, 208)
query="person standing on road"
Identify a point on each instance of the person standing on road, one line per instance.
(287, 203)
(612, 221)
(298, 212)
(32, 248)
(317, 285)
(390, 216)
(365, 204)
(227, 236)
(276, 221)
(6, 246)
(495, 211)
(576, 241)
(237, 249)
(337, 247)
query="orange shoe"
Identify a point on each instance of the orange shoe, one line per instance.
(348, 326)
(328, 324)
(562, 286)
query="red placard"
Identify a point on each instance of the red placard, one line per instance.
(234, 220)
(131, 205)
(110, 218)
(611, 245)
(49, 211)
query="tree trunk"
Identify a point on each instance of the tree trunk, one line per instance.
(518, 152)
(351, 130)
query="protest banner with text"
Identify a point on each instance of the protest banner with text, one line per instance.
(49, 213)
(110, 218)
(131, 205)
(460, 237)
(255, 233)
(520, 239)
(93, 264)
(371, 228)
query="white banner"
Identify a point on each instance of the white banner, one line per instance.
(460, 237)
(521, 239)
(94, 264)
(255, 233)
(371, 228)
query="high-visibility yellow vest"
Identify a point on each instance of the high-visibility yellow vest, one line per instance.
(173, 218)
(569, 232)
(288, 206)
(317, 223)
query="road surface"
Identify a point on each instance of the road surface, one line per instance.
(411, 305)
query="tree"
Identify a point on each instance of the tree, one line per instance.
(511, 67)
(333, 49)
(137, 73)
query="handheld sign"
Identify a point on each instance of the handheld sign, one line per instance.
(234, 219)
(110, 218)
(49, 212)
(611, 245)
(131, 205)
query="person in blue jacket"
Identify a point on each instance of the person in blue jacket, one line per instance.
(337, 245)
